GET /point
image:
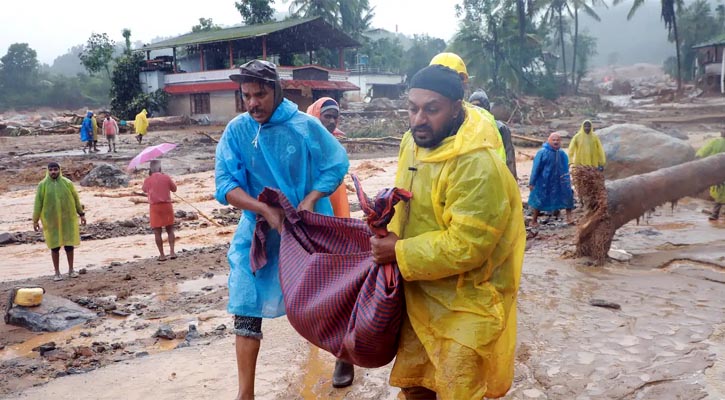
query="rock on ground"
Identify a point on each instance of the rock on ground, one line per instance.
(105, 175)
(636, 149)
(53, 315)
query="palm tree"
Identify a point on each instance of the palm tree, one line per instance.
(669, 17)
(327, 9)
(555, 14)
(576, 5)
(126, 33)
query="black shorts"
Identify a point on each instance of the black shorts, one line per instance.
(66, 248)
(250, 327)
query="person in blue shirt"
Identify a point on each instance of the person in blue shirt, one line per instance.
(273, 145)
(550, 183)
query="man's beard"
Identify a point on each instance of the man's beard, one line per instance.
(436, 137)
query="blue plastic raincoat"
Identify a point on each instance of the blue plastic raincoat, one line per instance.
(87, 128)
(292, 152)
(551, 181)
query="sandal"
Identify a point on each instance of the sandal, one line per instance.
(162, 258)
(73, 274)
(57, 278)
(173, 257)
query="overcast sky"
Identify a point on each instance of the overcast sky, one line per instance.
(52, 27)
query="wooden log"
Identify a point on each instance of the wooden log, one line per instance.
(609, 206)
(207, 135)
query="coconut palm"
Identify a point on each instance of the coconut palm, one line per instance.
(669, 17)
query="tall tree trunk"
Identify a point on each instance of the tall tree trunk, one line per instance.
(561, 43)
(576, 42)
(521, 10)
(677, 43)
(610, 207)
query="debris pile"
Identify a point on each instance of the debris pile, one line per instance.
(105, 175)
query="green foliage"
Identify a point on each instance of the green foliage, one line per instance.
(153, 102)
(205, 25)
(586, 49)
(126, 33)
(418, 56)
(98, 53)
(255, 11)
(125, 85)
(19, 67)
(384, 54)
(496, 55)
(69, 64)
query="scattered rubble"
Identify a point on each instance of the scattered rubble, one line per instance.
(105, 175)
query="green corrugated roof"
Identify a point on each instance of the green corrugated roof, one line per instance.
(716, 41)
(239, 33)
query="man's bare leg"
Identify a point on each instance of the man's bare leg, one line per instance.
(172, 239)
(535, 218)
(569, 218)
(247, 351)
(159, 244)
(69, 256)
(55, 256)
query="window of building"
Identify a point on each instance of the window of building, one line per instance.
(239, 102)
(200, 103)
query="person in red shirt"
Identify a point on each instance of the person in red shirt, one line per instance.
(158, 187)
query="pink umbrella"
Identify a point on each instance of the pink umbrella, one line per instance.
(150, 153)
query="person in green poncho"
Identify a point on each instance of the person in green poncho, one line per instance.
(56, 206)
(715, 146)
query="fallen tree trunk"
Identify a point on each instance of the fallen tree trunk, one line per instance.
(610, 206)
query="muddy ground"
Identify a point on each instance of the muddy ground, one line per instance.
(667, 340)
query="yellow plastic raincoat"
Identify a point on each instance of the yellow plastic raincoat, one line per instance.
(141, 124)
(586, 149)
(94, 124)
(492, 136)
(461, 251)
(715, 146)
(57, 206)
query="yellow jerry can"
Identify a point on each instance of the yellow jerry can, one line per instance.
(28, 297)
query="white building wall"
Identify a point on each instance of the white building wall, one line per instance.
(222, 105)
(366, 81)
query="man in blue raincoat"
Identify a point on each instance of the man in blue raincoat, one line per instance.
(87, 132)
(550, 183)
(271, 145)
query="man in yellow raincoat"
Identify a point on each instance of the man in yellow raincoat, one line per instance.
(492, 136)
(56, 206)
(94, 124)
(459, 244)
(141, 125)
(715, 146)
(586, 149)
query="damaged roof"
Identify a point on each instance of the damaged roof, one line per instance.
(716, 41)
(289, 36)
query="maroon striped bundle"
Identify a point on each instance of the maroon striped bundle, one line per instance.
(336, 297)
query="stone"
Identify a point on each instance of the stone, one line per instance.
(180, 214)
(604, 304)
(129, 223)
(619, 255)
(142, 354)
(636, 149)
(208, 275)
(56, 355)
(82, 271)
(116, 264)
(165, 332)
(45, 347)
(82, 351)
(120, 313)
(192, 333)
(7, 238)
(105, 175)
(52, 315)
(381, 104)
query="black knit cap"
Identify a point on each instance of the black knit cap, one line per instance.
(53, 164)
(439, 79)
